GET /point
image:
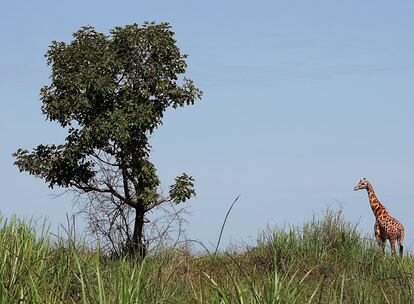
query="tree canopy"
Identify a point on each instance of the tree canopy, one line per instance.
(110, 93)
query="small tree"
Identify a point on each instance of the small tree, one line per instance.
(110, 93)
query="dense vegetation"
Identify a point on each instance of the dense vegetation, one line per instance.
(324, 261)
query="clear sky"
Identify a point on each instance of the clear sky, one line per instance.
(301, 100)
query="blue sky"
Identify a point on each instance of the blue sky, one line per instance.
(301, 99)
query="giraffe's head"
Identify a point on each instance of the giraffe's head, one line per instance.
(362, 184)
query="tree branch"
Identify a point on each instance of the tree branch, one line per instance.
(110, 189)
(126, 186)
(104, 161)
(160, 201)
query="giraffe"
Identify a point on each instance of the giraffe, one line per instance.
(386, 227)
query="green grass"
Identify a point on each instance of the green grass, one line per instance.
(324, 261)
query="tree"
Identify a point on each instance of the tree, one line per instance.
(110, 93)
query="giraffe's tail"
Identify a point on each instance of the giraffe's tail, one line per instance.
(400, 241)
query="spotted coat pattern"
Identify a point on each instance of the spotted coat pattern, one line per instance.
(386, 227)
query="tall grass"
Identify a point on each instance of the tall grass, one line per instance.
(324, 261)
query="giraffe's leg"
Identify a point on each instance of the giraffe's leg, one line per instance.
(392, 243)
(400, 240)
(378, 237)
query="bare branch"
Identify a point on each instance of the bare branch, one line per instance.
(161, 200)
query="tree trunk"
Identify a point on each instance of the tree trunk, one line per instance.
(138, 246)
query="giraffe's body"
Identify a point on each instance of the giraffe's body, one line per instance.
(386, 227)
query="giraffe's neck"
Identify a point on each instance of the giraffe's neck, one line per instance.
(376, 206)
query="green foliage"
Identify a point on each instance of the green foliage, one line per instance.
(149, 182)
(110, 93)
(183, 188)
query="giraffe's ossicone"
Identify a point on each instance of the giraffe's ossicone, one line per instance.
(386, 227)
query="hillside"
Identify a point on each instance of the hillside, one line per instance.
(324, 261)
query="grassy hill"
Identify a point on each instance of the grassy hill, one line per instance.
(324, 261)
